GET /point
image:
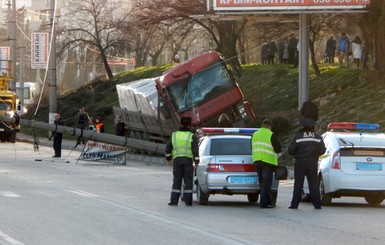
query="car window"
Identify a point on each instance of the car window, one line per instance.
(230, 147)
(364, 140)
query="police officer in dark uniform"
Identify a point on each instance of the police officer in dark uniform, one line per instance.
(181, 151)
(306, 146)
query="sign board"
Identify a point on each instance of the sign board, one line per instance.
(96, 151)
(39, 50)
(117, 61)
(5, 61)
(19, 4)
(287, 5)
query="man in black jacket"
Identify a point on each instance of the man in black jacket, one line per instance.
(181, 150)
(306, 146)
(57, 136)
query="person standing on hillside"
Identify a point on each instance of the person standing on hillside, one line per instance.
(271, 51)
(343, 49)
(357, 51)
(265, 146)
(181, 151)
(331, 46)
(292, 49)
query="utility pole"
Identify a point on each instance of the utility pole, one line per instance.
(21, 65)
(12, 84)
(52, 66)
(303, 74)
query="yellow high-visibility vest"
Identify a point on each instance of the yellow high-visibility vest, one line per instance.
(181, 144)
(262, 148)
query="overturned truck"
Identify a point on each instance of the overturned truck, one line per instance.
(202, 88)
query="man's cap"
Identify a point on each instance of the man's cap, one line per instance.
(307, 122)
(185, 121)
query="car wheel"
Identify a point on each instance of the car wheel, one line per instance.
(253, 197)
(374, 199)
(326, 199)
(12, 137)
(202, 198)
(305, 197)
(273, 197)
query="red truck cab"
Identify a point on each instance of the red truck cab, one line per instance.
(203, 88)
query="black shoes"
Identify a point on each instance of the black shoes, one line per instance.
(176, 204)
(56, 156)
(268, 206)
(291, 207)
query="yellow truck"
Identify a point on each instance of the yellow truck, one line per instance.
(9, 118)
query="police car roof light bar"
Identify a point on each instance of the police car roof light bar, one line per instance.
(353, 126)
(228, 130)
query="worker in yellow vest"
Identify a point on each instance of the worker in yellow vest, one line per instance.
(181, 152)
(265, 146)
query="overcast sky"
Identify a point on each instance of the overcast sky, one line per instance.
(19, 3)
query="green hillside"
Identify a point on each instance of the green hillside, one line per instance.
(343, 94)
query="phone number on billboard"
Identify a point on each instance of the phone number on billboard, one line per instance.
(341, 1)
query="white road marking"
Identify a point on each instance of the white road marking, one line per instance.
(83, 193)
(9, 194)
(10, 239)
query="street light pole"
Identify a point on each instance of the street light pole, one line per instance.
(52, 66)
(12, 84)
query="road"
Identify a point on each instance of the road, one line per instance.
(61, 201)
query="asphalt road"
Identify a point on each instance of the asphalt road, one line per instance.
(64, 201)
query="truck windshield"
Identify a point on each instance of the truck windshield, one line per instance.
(4, 106)
(201, 87)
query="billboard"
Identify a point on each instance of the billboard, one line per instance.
(39, 50)
(19, 4)
(5, 61)
(287, 5)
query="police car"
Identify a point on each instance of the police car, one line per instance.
(226, 166)
(353, 164)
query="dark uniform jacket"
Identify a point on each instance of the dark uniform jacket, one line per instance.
(306, 144)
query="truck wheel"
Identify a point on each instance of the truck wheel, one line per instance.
(12, 137)
(202, 198)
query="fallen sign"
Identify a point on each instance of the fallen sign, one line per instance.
(96, 151)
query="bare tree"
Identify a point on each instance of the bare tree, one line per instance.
(373, 25)
(224, 33)
(93, 24)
